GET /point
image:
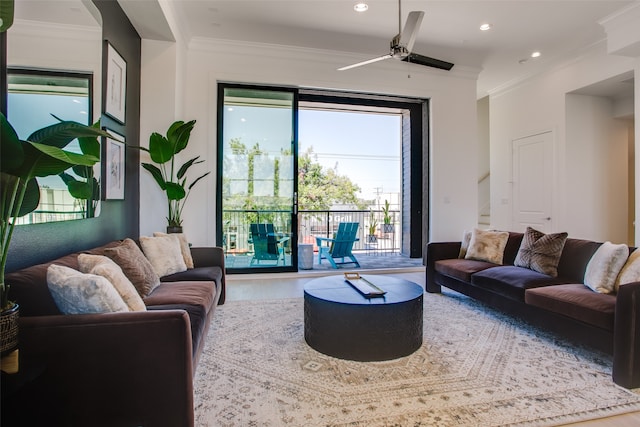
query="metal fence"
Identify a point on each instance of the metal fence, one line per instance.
(373, 233)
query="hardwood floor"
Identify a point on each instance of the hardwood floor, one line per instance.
(291, 285)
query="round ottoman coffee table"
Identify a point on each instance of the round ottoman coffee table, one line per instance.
(340, 322)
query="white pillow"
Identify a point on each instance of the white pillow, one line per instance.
(487, 245)
(101, 265)
(604, 267)
(184, 246)
(78, 293)
(630, 271)
(164, 254)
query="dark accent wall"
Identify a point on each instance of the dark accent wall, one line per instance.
(32, 244)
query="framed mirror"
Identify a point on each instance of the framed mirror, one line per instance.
(54, 69)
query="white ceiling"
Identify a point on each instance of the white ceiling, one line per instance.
(560, 29)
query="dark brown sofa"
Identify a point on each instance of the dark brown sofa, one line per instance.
(610, 323)
(114, 369)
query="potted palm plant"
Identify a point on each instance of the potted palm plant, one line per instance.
(21, 163)
(171, 179)
(373, 224)
(387, 223)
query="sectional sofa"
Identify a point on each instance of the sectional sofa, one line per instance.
(127, 368)
(561, 303)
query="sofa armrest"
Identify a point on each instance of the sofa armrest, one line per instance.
(212, 256)
(436, 251)
(626, 341)
(130, 368)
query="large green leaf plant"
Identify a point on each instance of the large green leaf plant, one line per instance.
(21, 163)
(172, 179)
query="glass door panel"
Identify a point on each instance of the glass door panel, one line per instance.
(257, 189)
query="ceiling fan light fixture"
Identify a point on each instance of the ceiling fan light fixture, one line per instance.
(485, 27)
(361, 7)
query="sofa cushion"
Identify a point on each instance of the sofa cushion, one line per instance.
(604, 267)
(101, 265)
(576, 301)
(540, 252)
(461, 269)
(184, 246)
(512, 247)
(135, 266)
(196, 298)
(213, 273)
(511, 282)
(78, 293)
(164, 254)
(487, 245)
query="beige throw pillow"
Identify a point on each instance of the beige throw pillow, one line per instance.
(184, 246)
(540, 252)
(604, 267)
(164, 254)
(105, 267)
(135, 266)
(78, 293)
(487, 245)
(630, 271)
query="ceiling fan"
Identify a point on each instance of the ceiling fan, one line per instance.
(402, 44)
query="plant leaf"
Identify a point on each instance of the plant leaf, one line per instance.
(198, 179)
(61, 134)
(175, 191)
(44, 160)
(89, 145)
(156, 173)
(160, 149)
(31, 197)
(183, 169)
(11, 151)
(6, 17)
(83, 171)
(80, 190)
(179, 136)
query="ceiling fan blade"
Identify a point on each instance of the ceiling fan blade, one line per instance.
(410, 30)
(416, 58)
(370, 61)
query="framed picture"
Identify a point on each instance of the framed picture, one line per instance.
(113, 174)
(115, 93)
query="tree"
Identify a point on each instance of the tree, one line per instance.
(320, 188)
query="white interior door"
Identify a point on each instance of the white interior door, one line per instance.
(533, 182)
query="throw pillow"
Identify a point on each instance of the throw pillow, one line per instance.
(487, 245)
(163, 252)
(78, 293)
(630, 271)
(540, 252)
(604, 267)
(184, 246)
(135, 266)
(102, 266)
(464, 244)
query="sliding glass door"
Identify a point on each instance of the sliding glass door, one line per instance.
(257, 189)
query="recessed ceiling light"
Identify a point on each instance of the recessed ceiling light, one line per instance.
(361, 7)
(535, 54)
(485, 27)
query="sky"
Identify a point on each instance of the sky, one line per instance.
(366, 147)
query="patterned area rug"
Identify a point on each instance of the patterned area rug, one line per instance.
(475, 368)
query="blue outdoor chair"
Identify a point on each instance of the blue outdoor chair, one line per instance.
(266, 245)
(340, 246)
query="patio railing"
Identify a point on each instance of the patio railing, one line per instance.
(312, 224)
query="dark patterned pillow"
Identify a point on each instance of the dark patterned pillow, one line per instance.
(540, 252)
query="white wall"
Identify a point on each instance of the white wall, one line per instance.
(540, 104)
(597, 148)
(453, 164)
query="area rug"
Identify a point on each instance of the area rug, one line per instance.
(476, 367)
